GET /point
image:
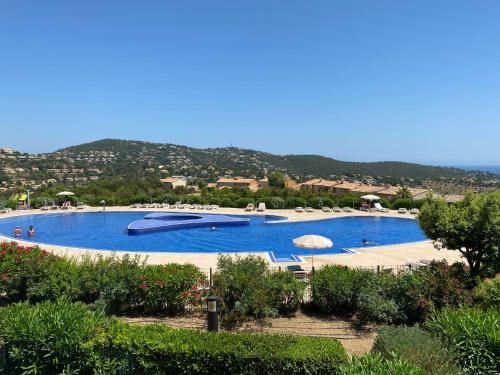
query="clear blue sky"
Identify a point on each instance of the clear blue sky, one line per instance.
(355, 80)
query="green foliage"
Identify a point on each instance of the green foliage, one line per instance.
(471, 227)
(274, 202)
(249, 290)
(376, 364)
(405, 298)
(63, 338)
(473, 334)
(277, 180)
(243, 202)
(293, 202)
(118, 285)
(403, 203)
(56, 338)
(488, 292)
(417, 347)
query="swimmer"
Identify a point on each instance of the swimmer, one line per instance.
(364, 241)
(213, 228)
(18, 232)
(31, 231)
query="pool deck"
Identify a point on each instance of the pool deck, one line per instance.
(390, 255)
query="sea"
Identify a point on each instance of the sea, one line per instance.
(484, 168)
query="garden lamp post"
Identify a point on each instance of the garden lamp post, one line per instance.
(103, 203)
(28, 201)
(212, 314)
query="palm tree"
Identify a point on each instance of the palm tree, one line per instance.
(404, 193)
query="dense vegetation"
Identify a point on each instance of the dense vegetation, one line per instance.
(121, 191)
(471, 227)
(68, 338)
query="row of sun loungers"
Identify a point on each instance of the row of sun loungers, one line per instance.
(177, 205)
(65, 206)
(324, 209)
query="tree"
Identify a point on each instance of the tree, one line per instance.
(471, 227)
(277, 179)
(404, 193)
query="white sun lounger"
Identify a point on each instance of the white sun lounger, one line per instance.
(261, 207)
(379, 208)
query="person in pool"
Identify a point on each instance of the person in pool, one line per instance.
(18, 231)
(31, 231)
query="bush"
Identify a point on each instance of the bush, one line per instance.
(488, 293)
(249, 290)
(417, 347)
(274, 202)
(335, 289)
(315, 202)
(162, 350)
(293, 202)
(376, 364)
(403, 203)
(56, 338)
(473, 334)
(116, 285)
(243, 202)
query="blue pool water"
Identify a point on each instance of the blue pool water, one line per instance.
(109, 231)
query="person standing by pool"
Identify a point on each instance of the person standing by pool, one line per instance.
(31, 231)
(18, 231)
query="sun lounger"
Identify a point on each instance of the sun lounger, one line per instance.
(261, 207)
(214, 206)
(336, 209)
(250, 207)
(326, 209)
(298, 271)
(348, 209)
(80, 205)
(402, 211)
(299, 209)
(379, 208)
(309, 209)
(414, 211)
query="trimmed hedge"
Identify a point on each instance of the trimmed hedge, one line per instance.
(473, 334)
(63, 337)
(416, 346)
(161, 350)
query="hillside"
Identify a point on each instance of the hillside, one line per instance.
(110, 157)
(249, 162)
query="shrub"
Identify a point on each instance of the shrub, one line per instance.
(243, 202)
(56, 338)
(293, 202)
(335, 289)
(488, 293)
(473, 334)
(249, 290)
(274, 202)
(403, 203)
(417, 347)
(161, 350)
(315, 202)
(20, 268)
(376, 364)
(63, 338)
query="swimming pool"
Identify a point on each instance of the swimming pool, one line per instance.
(108, 231)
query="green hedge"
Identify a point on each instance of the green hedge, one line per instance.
(62, 337)
(118, 285)
(473, 334)
(405, 298)
(416, 346)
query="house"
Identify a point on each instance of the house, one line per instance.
(238, 182)
(389, 192)
(173, 182)
(264, 183)
(366, 189)
(344, 187)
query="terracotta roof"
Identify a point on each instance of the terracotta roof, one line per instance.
(346, 185)
(312, 182)
(367, 189)
(417, 191)
(238, 180)
(390, 190)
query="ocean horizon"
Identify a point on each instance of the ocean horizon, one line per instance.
(484, 168)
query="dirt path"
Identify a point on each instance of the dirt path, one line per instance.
(354, 340)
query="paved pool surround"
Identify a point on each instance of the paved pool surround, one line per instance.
(164, 221)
